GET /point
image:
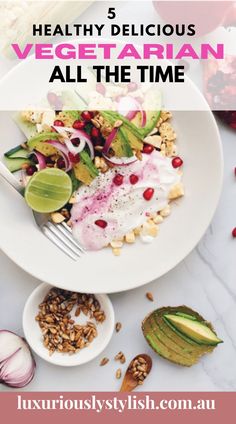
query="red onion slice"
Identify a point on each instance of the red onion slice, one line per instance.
(18, 367)
(41, 159)
(84, 137)
(109, 140)
(61, 130)
(120, 161)
(63, 151)
(75, 149)
(129, 107)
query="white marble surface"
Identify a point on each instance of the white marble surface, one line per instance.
(205, 280)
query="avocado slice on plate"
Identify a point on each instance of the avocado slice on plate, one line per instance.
(195, 330)
(152, 107)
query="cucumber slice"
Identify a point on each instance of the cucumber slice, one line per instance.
(15, 164)
(17, 152)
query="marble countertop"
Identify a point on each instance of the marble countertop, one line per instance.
(205, 281)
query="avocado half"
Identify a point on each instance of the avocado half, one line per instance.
(179, 334)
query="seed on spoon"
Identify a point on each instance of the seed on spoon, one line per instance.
(137, 372)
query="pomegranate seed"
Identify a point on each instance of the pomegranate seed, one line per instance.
(133, 179)
(177, 162)
(86, 115)
(101, 223)
(148, 149)
(49, 160)
(132, 86)
(78, 125)
(235, 172)
(74, 159)
(101, 89)
(58, 123)
(31, 170)
(118, 179)
(148, 194)
(234, 232)
(75, 142)
(61, 163)
(95, 133)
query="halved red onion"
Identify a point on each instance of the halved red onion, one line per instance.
(41, 159)
(120, 161)
(109, 140)
(17, 365)
(63, 151)
(84, 137)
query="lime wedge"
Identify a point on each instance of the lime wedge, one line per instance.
(48, 190)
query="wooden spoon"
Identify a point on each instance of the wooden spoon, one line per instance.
(130, 382)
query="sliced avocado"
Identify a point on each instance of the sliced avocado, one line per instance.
(195, 330)
(121, 145)
(17, 152)
(169, 342)
(86, 160)
(76, 183)
(134, 141)
(152, 106)
(15, 164)
(82, 173)
(28, 128)
(33, 142)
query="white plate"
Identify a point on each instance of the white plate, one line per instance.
(33, 333)
(101, 272)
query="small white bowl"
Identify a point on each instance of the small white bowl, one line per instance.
(33, 333)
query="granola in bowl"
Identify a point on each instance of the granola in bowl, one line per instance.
(122, 163)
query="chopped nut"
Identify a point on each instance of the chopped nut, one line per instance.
(149, 296)
(130, 237)
(118, 326)
(120, 357)
(116, 252)
(97, 162)
(72, 200)
(158, 219)
(165, 212)
(104, 361)
(118, 373)
(57, 217)
(116, 244)
(154, 140)
(118, 123)
(176, 191)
